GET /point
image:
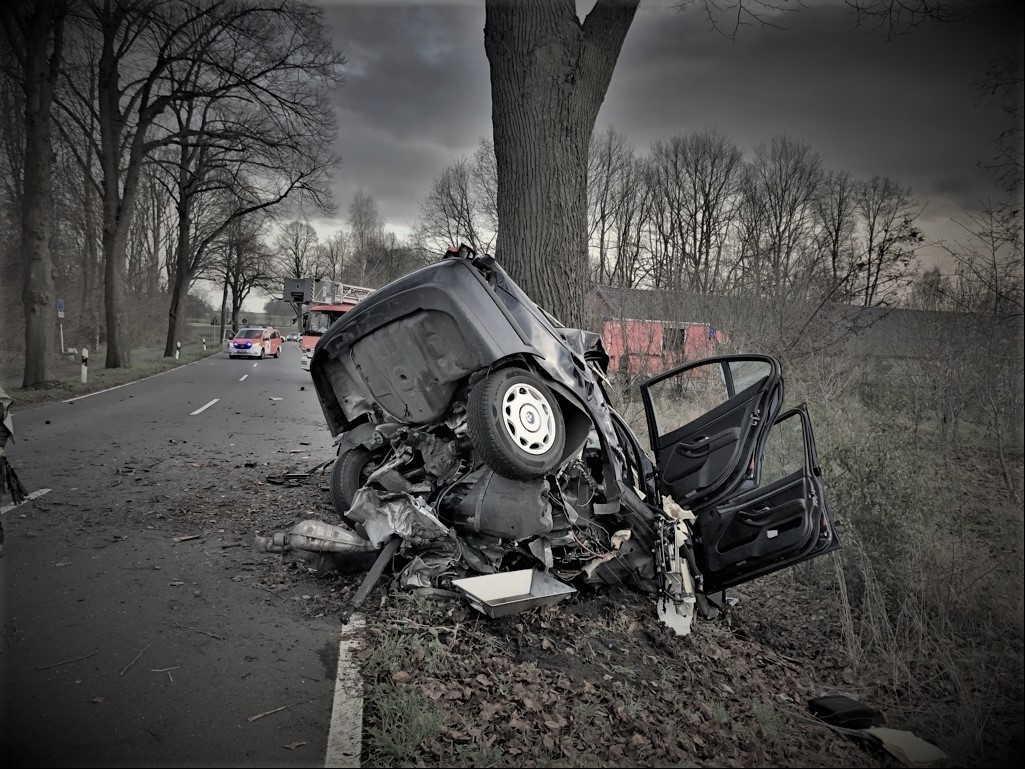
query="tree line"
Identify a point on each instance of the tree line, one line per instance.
(145, 144)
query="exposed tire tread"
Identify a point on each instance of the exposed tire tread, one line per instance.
(346, 477)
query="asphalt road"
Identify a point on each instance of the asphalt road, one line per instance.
(135, 633)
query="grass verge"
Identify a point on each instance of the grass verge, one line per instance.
(146, 361)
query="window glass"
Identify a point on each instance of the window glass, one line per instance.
(681, 399)
(784, 450)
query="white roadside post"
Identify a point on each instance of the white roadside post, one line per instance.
(204, 344)
(60, 317)
(85, 365)
(177, 349)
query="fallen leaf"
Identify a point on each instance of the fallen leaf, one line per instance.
(401, 677)
(294, 745)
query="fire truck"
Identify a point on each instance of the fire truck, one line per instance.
(319, 303)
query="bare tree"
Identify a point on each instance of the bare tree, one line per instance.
(459, 207)
(334, 253)
(608, 160)
(991, 289)
(836, 220)
(888, 214)
(237, 88)
(297, 250)
(697, 180)
(366, 229)
(242, 265)
(932, 290)
(34, 33)
(785, 175)
(1002, 85)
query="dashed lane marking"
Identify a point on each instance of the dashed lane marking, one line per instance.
(201, 409)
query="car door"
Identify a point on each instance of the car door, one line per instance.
(705, 420)
(754, 511)
(778, 516)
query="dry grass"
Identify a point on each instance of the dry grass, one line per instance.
(927, 593)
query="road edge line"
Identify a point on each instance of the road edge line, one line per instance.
(34, 495)
(345, 736)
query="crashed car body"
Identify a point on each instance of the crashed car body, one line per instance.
(451, 387)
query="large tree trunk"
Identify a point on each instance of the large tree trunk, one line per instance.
(182, 273)
(92, 296)
(42, 29)
(120, 191)
(549, 76)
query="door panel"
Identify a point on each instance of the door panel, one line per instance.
(703, 431)
(780, 523)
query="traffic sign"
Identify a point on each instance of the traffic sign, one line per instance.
(60, 308)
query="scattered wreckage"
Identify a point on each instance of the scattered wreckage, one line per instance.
(478, 451)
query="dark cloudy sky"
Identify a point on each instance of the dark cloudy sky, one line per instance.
(417, 94)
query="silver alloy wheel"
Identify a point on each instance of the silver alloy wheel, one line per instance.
(528, 418)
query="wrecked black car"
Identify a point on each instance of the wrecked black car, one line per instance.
(475, 427)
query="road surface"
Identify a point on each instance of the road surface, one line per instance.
(137, 628)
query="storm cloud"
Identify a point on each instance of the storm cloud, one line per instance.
(416, 95)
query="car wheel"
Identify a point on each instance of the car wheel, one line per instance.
(515, 424)
(263, 353)
(349, 474)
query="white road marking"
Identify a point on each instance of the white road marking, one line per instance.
(255, 365)
(345, 736)
(33, 495)
(243, 377)
(201, 409)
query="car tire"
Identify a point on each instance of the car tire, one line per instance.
(348, 476)
(515, 424)
(263, 353)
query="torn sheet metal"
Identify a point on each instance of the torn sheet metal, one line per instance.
(385, 514)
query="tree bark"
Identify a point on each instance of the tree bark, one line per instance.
(41, 37)
(117, 210)
(183, 259)
(549, 76)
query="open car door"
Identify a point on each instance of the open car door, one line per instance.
(750, 476)
(705, 421)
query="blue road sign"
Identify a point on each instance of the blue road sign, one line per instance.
(60, 305)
